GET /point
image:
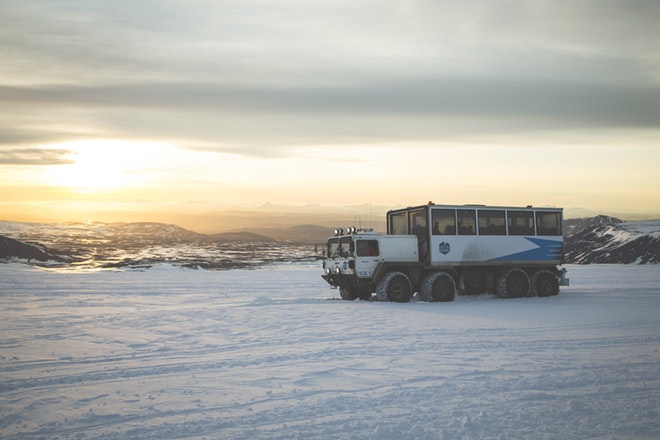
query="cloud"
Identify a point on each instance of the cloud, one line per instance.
(262, 111)
(10, 136)
(259, 76)
(296, 41)
(34, 156)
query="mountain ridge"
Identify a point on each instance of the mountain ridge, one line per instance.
(608, 240)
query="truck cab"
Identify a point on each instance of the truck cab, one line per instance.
(354, 261)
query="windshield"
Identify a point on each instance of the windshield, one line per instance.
(340, 247)
(333, 248)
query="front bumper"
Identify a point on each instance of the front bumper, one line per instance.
(339, 280)
(348, 281)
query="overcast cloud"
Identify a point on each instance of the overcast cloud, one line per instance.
(262, 74)
(35, 156)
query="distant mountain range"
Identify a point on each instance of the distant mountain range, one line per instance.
(110, 245)
(599, 239)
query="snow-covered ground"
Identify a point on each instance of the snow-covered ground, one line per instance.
(270, 353)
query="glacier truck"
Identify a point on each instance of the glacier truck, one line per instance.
(438, 250)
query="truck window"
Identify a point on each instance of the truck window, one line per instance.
(418, 223)
(367, 248)
(333, 248)
(492, 223)
(548, 223)
(521, 223)
(444, 221)
(398, 223)
(467, 224)
(345, 246)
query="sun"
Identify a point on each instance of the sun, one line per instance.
(97, 166)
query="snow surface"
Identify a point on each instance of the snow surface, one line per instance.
(271, 353)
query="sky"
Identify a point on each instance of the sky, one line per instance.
(201, 106)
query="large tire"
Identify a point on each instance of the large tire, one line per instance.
(514, 283)
(438, 286)
(544, 283)
(394, 286)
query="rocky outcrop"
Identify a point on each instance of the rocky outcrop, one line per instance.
(10, 248)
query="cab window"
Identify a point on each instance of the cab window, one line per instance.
(367, 248)
(548, 223)
(333, 248)
(492, 222)
(467, 224)
(345, 246)
(444, 222)
(418, 224)
(398, 223)
(521, 223)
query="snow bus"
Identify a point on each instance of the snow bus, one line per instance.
(439, 250)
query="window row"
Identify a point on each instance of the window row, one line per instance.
(494, 222)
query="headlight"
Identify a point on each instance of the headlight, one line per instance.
(337, 270)
(327, 271)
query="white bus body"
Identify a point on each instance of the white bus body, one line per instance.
(438, 249)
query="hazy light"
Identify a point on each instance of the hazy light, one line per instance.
(103, 165)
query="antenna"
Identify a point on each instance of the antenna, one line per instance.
(371, 216)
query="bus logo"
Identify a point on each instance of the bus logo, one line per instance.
(444, 248)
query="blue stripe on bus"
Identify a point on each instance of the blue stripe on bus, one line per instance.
(545, 250)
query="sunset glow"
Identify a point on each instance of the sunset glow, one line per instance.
(97, 166)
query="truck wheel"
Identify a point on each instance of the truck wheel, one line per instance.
(438, 286)
(394, 286)
(544, 283)
(347, 294)
(514, 283)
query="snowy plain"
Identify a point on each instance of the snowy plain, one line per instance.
(271, 353)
